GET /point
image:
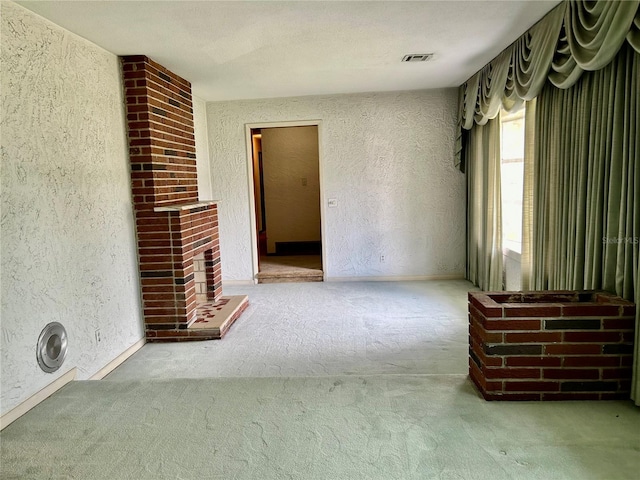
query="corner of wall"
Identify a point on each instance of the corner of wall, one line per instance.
(202, 149)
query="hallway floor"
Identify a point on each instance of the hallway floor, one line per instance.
(290, 268)
(319, 381)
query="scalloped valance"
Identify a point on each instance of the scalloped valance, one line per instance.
(575, 36)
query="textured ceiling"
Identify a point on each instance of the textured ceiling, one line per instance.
(241, 50)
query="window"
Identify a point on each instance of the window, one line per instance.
(512, 174)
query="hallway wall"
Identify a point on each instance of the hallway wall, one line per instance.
(291, 184)
(68, 247)
(386, 158)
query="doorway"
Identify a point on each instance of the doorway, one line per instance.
(285, 178)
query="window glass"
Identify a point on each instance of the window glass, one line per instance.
(512, 170)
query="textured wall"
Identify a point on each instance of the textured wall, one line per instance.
(290, 155)
(68, 251)
(387, 158)
(202, 148)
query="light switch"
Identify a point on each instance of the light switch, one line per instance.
(304, 182)
(333, 202)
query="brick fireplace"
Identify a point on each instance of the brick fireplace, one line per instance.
(174, 228)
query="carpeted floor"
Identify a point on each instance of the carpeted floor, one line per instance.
(318, 381)
(350, 427)
(305, 329)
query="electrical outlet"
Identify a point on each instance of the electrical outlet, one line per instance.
(304, 182)
(98, 336)
(381, 258)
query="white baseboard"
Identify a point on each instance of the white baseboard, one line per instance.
(233, 283)
(391, 278)
(16, 412)
(395, 278)
(116, 362)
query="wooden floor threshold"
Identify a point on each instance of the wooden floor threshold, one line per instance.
(296, 277)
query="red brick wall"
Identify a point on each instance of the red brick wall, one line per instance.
(161, 137)
(551, 345)
(172, 227)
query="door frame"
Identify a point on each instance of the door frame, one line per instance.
(252, 199)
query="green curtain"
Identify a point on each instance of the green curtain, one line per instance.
(484, 211)
(592, 34)
(586, 192)
(576, 36)
(581, 225)
(635, 383)
(526, 259)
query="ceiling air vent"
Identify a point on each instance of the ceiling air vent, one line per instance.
(417, 57)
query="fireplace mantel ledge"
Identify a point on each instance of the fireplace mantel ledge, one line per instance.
(185, 206)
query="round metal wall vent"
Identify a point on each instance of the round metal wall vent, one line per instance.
(52, 347)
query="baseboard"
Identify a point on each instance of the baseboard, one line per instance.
(398, 278)
(313, 247)
(16, 412)
(233, 283)
(116, 362)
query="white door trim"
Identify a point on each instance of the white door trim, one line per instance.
(252, 199)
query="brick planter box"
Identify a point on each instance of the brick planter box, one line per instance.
(551, 345)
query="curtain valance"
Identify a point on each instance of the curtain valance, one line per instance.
(575, 36)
